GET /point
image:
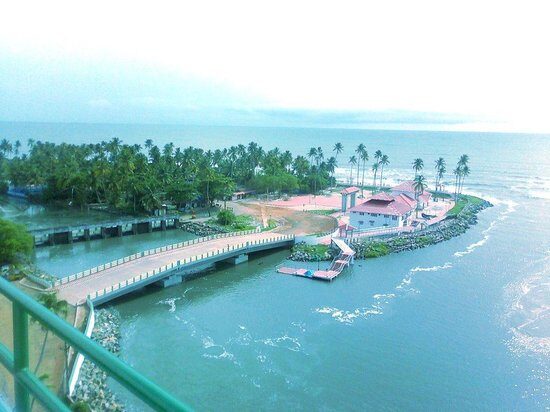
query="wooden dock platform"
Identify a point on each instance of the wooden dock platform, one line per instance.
(344, 259)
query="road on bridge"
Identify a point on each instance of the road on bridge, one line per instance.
(76, 291)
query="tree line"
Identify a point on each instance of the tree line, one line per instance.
(137, 178)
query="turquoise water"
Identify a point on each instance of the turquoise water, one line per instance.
(458, 326)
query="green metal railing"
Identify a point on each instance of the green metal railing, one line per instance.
(27, 384)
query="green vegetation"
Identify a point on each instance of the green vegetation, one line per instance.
(231, 222)
(271, 224)
(314, 252)
(16, 244)
(461, 203)
(138, 179)
(324, 212)
(374, 249)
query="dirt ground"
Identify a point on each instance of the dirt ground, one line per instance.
(290, 221)
(54, 356)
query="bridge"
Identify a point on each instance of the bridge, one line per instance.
(117, 228)
(164, 266)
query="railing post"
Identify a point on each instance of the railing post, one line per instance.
(20, 354)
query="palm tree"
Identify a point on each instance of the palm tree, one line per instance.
(465, 172)
(378, 155)
(359, 151)
(384, 161)
(419, 184)
(364, 158)
(440, 169)
(17, 146)
(5, 147)
(352, 162)
(375, 167)
(331, 166)
(418, 165)
(312, 154)
(457, 172)
(338, 148)
(463, 160)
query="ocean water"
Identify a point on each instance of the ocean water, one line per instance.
(462, 325)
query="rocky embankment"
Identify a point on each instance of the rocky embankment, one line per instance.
(202, 229)
(92, 384)
(371, 248)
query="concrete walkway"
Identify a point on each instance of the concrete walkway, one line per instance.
(76, 291)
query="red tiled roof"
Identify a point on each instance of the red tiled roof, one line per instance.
(350, 190)
(383, 196)
(406, 186)
(395, 205)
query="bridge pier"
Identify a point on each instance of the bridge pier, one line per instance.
(51, 240)
(87, 234)
(149, 227)
(103, 232)
(119, 230)
(135, 228)
(170, 281)
(70, 237)
(237, 260)
(163, 225)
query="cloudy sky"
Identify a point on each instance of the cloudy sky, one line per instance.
(421, 64)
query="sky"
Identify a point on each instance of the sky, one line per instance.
(468, 65)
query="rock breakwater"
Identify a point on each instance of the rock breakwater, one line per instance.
(92, 386)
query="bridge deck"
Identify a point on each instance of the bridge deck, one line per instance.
(76, 291)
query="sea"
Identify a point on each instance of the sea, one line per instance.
(461, 325)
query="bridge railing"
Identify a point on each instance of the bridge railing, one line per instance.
(149, 252)
(27, 383)
(158, 272)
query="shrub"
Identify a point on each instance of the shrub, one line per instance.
(226, 217)
(15, 243)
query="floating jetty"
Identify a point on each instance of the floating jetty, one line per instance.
(344, 259)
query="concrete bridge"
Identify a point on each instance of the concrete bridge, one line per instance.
(118, 228)
(164, 266)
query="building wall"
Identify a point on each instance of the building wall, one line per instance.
(362, 220)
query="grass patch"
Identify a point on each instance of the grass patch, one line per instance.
(315, 252)
(374, 250)
(462, 202)
(324, 212)
(271, 224)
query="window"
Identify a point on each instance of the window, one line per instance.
(394, 218)
(361, 222)
(362, 214)
(374, 214)
(387, 216)
(371, 222)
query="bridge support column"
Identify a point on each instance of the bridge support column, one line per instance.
(135, 228)
(86, 234)
(149, 227)
(103, 232)
(237, 260)
(163, 225)
(119, 230)
(177, 223)
(170, 281)
(70, 237)
(51, 240)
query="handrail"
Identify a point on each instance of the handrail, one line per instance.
(149, 252)
(178, 264)
(26, 383)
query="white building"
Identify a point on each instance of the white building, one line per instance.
(382, 210)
